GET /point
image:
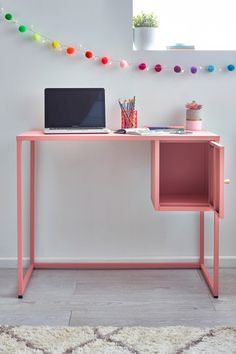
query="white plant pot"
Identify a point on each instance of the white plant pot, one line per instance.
(193, 119)
(145, 38)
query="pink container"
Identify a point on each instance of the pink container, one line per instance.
(193, 124)
(129, 119)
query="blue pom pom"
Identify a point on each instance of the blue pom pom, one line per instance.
(231, 67)
(210, 68)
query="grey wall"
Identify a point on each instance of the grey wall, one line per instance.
(93, 199)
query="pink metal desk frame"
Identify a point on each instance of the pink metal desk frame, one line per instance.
(214, 167)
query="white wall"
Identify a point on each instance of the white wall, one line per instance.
(93, 199)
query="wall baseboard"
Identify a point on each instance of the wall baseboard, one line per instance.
(225, 261)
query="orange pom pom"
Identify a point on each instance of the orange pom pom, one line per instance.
(89, 54)
(70, 50)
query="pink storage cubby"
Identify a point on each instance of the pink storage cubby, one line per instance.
(187, 176)
(184, 173)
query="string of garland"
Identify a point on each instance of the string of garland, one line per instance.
(89, 54)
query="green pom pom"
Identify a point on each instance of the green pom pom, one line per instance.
(22, 28)
(8, 17)
(36, 37)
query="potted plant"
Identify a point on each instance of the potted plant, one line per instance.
(193, 116)
(145, 31)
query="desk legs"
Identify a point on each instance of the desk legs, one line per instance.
(23, 279)
(19, 219)
(201, 237)
(32, 199)
(212, 282)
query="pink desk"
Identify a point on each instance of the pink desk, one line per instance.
(187, 174)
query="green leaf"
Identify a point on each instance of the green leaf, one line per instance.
(145, 20)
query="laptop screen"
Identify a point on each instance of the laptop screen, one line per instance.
(75, 108)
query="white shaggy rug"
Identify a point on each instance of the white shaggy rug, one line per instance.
(113, 340)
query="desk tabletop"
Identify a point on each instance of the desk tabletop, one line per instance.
(39, 135)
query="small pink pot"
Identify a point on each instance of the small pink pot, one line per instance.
(193, 124)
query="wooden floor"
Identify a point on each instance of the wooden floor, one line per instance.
(117, 297)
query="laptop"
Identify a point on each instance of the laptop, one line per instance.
(75, 111)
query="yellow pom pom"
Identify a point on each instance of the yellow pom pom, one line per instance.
(36, 37)
(55, 44)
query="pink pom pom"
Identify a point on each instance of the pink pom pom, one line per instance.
(158, 68)
(142, 66)
(123, 64)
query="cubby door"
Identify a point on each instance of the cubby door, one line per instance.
(155, 174)
(216, 178)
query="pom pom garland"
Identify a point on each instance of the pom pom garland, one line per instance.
(89, 54)
(123, 64)
(22, 28)
(70, 50)
(142, 66)
(38, 37)
(8, 17)
(104, 60)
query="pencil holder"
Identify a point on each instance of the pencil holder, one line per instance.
(129, 119)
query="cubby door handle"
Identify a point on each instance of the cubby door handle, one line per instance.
(217, 145)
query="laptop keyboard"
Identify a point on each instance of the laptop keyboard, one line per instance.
(77, 131)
